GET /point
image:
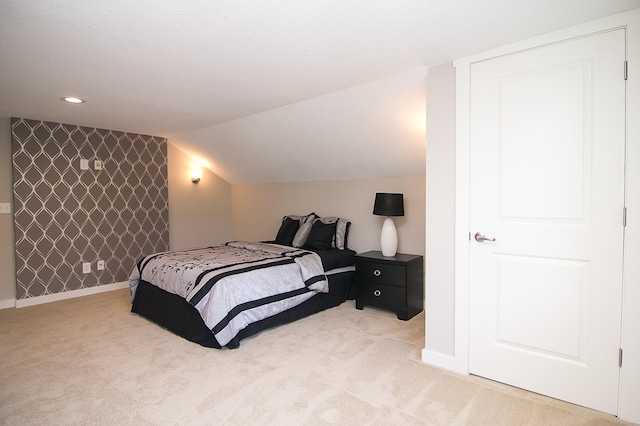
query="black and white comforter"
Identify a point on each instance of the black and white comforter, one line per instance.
(236, 284)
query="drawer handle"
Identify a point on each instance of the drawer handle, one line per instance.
(377, 293)
(377, 272)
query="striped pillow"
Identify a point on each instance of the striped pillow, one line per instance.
(342, 231)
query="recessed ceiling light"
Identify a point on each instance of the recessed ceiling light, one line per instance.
(73, 100)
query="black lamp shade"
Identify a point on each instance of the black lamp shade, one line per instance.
(388, 204)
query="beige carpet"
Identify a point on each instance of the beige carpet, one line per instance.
(90, 361)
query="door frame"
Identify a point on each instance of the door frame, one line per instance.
(630, 373)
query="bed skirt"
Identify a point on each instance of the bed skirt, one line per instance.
(174, 313)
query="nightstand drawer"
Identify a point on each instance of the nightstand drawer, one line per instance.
(383, 295)
(379, 272)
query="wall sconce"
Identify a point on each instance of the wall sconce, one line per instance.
(196, 175)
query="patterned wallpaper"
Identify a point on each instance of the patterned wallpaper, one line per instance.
(65, 216)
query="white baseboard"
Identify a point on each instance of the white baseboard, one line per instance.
(6, 304)
(21, 303)
(439, 359)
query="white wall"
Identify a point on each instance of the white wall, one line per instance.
(258, 209)
(440, 176)
(199, 214)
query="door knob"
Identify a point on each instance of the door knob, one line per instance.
(481, 238)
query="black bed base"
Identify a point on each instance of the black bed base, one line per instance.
(178, 316)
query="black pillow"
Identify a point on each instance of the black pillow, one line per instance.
(287, 231)
(321, 236)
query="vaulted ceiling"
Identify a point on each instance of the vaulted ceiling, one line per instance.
(259, 89)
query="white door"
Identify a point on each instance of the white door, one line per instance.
(547, 150)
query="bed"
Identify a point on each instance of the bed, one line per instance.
(217, 296)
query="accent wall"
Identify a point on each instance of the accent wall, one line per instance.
(112, 209)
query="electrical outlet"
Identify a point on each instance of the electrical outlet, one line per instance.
(97, 164)
(86, 268)
(5, 208)
(100, 266)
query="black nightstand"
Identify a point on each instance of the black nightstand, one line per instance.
(394, 283)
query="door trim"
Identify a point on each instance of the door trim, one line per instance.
(631, 22)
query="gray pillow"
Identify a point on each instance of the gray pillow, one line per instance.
(306, 222)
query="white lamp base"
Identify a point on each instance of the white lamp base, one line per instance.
(389, 238)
